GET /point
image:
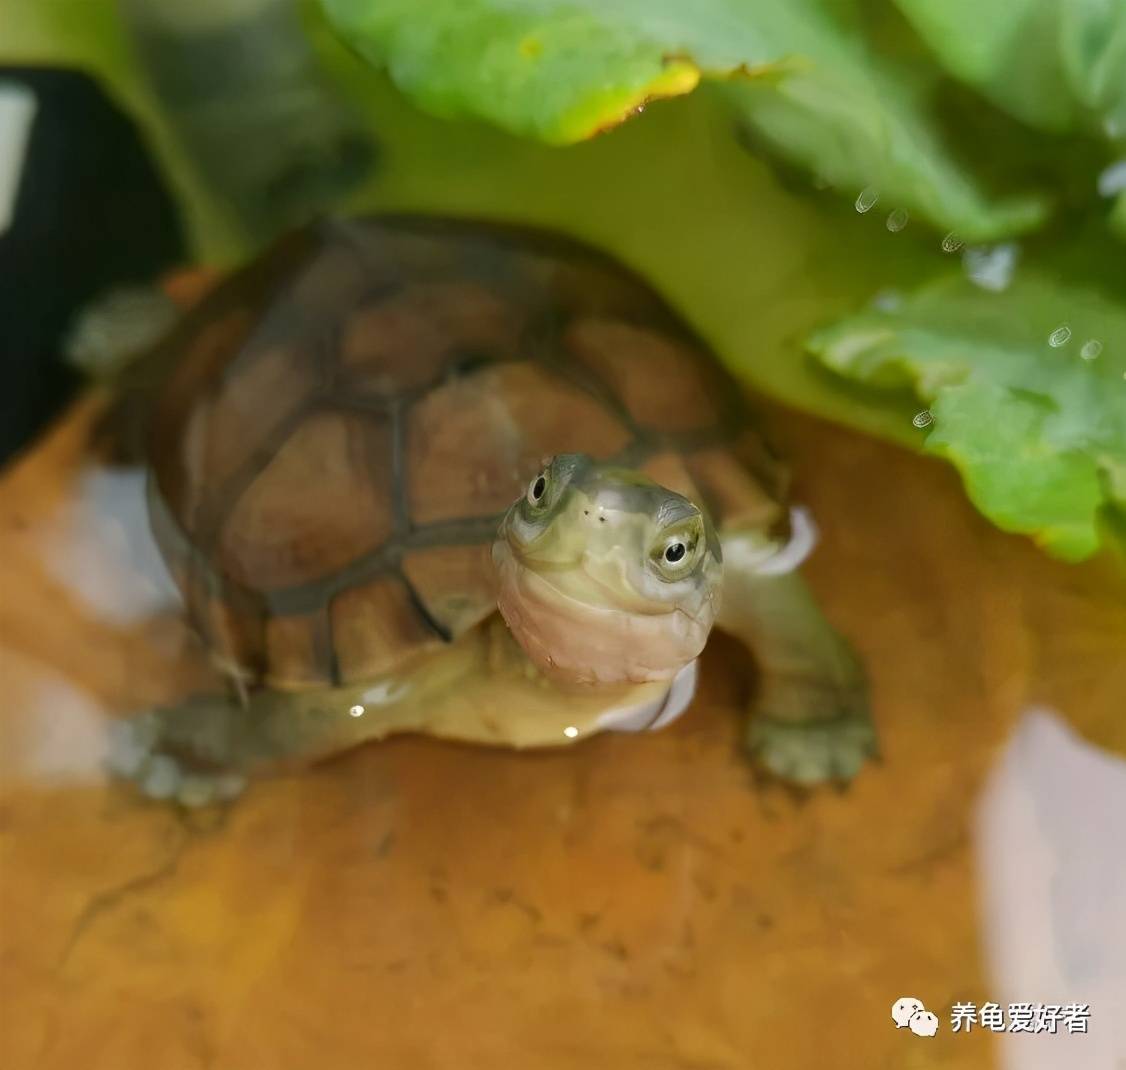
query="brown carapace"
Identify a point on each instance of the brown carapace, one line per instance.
(345, 421)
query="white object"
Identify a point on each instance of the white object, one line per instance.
(923, 1023)
(991, 268)
(649, 716)
(1112, 180)
(902, 1010)
(764, 558)
(17, 111)
(1051, 862)
(99, 546)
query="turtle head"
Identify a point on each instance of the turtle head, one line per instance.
(605, 576)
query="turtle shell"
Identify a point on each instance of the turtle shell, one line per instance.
(345, 421)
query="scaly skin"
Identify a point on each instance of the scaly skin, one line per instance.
(810, 721)
(604, 615)
(584, 581)
(480, 689)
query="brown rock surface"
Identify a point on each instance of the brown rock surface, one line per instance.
(634, 902)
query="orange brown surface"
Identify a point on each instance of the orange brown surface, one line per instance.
(634, 902)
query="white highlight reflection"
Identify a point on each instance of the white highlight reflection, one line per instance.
(1051, 851)
(54, 735)
(100, 547)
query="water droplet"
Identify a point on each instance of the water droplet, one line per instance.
(951, 243)
(897, 220)
(1091, 349)
(1112, 179)
(570, 731)
(887, 300)
(867, 199)
(923, 419)
(1060, 336)
(357, 711)
(990, 267)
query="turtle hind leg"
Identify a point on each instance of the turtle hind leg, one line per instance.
(185, 753)
(811, 721)
(205, 749)
(479, 689)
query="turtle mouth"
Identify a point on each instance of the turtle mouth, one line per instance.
(528, 557)
(593, 642)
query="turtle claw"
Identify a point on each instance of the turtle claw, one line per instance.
(134, 755)
(130, 745)
(811, 752)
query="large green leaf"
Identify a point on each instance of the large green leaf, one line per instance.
(800, 73)
(752, 265)
(1058, 65)
(1026, 390)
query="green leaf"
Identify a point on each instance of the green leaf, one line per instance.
(1118, 216)
(752, 265)
(554, 71)
(1058, 65)
(1026, 389)
(797, 71)
(1001, 443)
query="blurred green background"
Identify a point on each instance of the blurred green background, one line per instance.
(908, 217)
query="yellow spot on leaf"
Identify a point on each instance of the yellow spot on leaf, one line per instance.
(676, 79)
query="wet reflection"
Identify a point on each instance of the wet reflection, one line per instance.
(1051, 848)
(99, 545)
(93, 557)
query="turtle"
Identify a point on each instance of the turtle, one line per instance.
(471, 479)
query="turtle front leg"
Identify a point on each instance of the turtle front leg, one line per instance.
(811, 720)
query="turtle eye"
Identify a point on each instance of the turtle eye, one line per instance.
(537, 491)
(678, 551)
(676, 554)
(675, 551)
